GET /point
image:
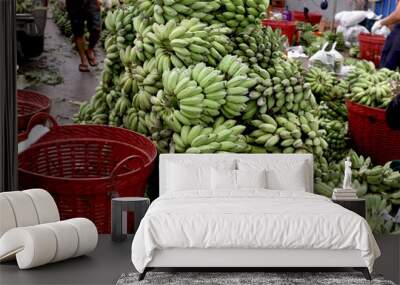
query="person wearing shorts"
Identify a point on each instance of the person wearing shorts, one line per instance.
(81, 12)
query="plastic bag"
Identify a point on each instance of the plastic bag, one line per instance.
(321, 57)
(296, 52)
(352, 18)
(36, 133)
(335, 59)
(383, 31)
(351, 34)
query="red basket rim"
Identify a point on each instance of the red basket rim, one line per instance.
(104, 178)
(153, 157)
(41, 107)
(279, 23)
(298, 12)
(350, 102)
(364, 37)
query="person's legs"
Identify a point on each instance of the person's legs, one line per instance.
(76, 15)
(80, 45)
(94, 28)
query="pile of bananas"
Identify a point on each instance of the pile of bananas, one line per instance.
(256, 45)
(379, 182)
(203, 77)
(61, 19)
(235, 13)
(289, 133)
(23, 6)
(223, 136)
(372, 87)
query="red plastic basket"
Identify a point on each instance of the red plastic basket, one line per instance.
(313, 18)
(84, 166)
(371, 47)
(288, 28)
(370, 134)
(29, 104)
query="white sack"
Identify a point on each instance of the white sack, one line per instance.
(351, 34)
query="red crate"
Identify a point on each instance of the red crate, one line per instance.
(370, 134)
(84, 166)
(313, 18)
(288, 28)
(371, 47)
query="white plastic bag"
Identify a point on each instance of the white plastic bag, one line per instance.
(351, 34)
(296, 52)
(36, 133)
(351, 18)
(383, 31)
(335, 58)
(321, 57)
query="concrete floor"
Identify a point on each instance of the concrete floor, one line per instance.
(103, 266)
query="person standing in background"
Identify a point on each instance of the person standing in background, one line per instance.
(391, 51)
(79, 12)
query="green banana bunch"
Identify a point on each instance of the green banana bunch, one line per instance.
(142, 47)
(288, 92)
(163, 11)
(336, 137)
(136, 121)
(289, 134)
(237, 85)
(213, 87)
(224, 136)
(141, 83)
(333, 110)
(257, 45)
(186, 43)
(242, 13)
(321, 82)
(372, 87)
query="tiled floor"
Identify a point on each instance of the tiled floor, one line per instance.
(103, 266)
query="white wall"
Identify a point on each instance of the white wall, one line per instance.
(314, 6)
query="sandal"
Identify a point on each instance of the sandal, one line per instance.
(83, 68)
(92, 60)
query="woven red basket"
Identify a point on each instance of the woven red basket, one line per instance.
(371, 47)
(288, 28)
(84, 166)
(29, 104)
(313, 18)
(370, 134)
